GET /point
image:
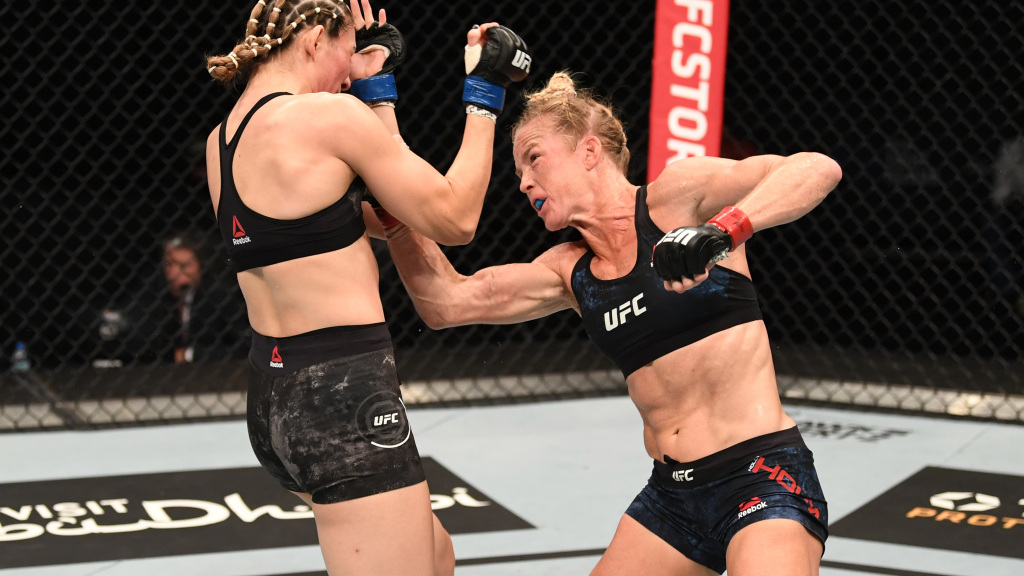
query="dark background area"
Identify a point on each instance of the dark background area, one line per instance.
(890, 280)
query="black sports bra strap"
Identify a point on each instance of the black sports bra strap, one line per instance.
(583, 263)
(643, 223)
(224, 125)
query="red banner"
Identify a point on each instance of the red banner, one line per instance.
(688, 81)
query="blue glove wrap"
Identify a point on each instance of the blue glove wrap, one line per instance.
(482, 93)
(375, 88)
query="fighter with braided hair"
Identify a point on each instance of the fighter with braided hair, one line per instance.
(288, 169)
(733, 484)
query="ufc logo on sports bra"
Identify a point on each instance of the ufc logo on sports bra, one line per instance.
(617, 316)
(522, 61)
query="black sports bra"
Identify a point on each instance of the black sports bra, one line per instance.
(254, 240)
(634, 320)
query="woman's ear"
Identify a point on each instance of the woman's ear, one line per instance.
(312, 39)
(592, 151)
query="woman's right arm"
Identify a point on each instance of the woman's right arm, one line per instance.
(446, 208)
(504, 294)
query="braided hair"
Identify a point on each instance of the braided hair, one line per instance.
(277, 24)
(577, 113)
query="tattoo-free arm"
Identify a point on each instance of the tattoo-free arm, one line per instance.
(771, 190)
(504, 294)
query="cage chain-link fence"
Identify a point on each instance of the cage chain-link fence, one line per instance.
(902, 290)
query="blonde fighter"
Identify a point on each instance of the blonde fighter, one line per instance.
(661, 281)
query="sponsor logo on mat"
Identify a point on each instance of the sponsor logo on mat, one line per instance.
(195, 512)
(961, 510)
(847, 431)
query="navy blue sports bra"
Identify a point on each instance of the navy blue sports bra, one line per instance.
(635, 321)
(255, 240)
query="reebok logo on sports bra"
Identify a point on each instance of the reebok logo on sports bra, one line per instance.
(238, 233)
(264, 240)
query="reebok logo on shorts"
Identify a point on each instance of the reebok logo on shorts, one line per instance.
(275, 359)
(751, 506)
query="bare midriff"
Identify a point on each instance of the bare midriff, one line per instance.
(709, 395)
(338, 288)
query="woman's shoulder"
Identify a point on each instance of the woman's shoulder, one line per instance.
(674, 197)
(313, 118)
(562, 258)
(328, 113)
(685, 176)
(321, 104)
(571, 250)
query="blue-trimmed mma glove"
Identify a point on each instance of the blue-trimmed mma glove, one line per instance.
(686, 252)
(490, 67)
(379, 88)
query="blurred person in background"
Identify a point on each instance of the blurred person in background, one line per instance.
(733, 485)
(287, 170)
(211, 315)
(186, 313)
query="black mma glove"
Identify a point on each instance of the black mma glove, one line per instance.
(381, 86)
(491, 66)
(686, 252)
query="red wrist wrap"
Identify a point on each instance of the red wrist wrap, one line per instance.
(735, 223)
(385, 217)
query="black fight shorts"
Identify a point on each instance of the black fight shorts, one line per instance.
(325, 413)
(697, 507)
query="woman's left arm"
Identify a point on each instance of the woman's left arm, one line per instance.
(721, 203)
(770, 190)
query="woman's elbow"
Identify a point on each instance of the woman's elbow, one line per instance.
(820, 174)
(431, 315)
(434, 322)
(829, 172)
(467, 232)
(459, 234)
(437, 318)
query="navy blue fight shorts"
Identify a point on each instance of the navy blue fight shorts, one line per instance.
(697, 507)
(325, 413)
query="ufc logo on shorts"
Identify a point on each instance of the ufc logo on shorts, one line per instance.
(683, 475)
(522, 61)
(681, 236)
(385, 419)
(616, 316)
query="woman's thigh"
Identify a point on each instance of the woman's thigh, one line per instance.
(779, 545)
(379, 535)
(636, 550)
